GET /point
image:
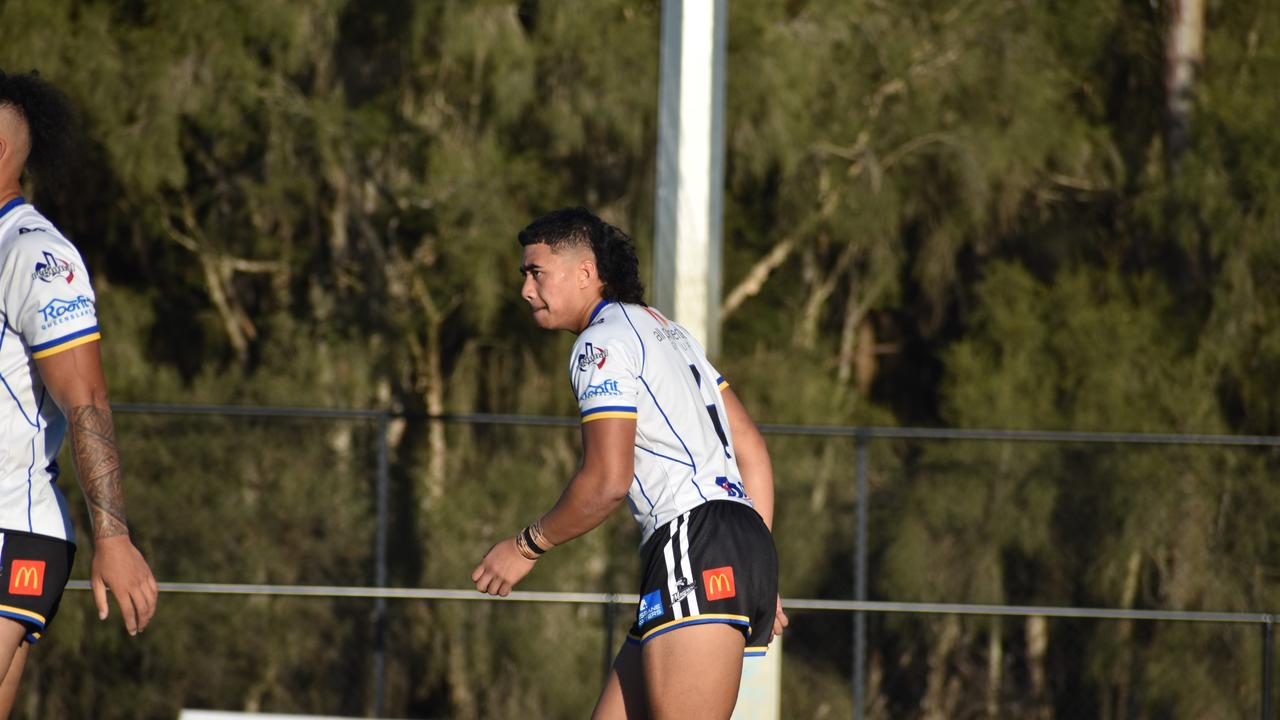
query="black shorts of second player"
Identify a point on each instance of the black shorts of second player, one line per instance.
(33, 573)
(714, 564)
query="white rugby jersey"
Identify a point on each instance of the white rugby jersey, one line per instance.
(47, 306)
(631, 362)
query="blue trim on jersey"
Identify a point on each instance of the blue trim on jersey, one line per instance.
(68, 527)
(693, 464)
(65, 338)
(640, 485)
(609, 408)
(665, 457)
(31, 470)
(753, 654)
(11, 205)
(599, 306)
(643, 352)
(18, 402)
(30, 525)
(5, 382)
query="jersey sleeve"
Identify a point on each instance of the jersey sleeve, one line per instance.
(606, 376)
(47, 296)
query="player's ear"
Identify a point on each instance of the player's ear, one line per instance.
(588, 274)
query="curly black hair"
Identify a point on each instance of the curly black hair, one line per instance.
(50, 119)
(615, 254)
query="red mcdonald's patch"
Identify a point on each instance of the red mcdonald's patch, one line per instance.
(26, 577)
(718, 583)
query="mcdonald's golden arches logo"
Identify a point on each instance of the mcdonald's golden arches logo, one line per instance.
(26, 577)
(718, 583)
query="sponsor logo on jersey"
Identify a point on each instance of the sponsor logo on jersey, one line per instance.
(734, 489)
(718, 583)
(59, 311)
(25, 230)
(684, 586)
(52, 268)
(26, 577)
(650, 607)
(592, 355)
(670, 333)
(608, 388)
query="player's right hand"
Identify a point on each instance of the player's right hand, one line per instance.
(502, 567)
(780, 620)
(118, 565)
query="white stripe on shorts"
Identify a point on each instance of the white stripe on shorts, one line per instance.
(692, 597)
(668, 555)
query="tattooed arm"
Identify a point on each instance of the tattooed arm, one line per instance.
(93, 440)
(75, 380)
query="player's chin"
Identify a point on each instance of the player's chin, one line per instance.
(542, 317)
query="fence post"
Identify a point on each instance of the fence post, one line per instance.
(382, 498)
(610, 619)
(1268, 669)
(860, 580)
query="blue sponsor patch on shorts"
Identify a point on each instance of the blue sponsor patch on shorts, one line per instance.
(650, 607)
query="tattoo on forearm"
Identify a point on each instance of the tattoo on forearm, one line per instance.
(93, 439)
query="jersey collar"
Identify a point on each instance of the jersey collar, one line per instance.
(20, 200)
(599, 306)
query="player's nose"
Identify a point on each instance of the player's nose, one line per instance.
(527, 290)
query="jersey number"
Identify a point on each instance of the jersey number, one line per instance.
(711, 410)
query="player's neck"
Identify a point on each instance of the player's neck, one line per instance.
(589, 312)
(9, 191)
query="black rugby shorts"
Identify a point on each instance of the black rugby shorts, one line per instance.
(33, 573)
(714, 564)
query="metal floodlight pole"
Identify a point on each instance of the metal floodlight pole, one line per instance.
(689, 206)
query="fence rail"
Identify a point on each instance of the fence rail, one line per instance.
(860, 435)
(586, 598)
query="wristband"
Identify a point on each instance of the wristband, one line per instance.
(538, 538)
(527, 536)
(523, 546)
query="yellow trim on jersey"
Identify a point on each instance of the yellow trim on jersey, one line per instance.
(697, 618)
(67, 346)
(24, 613)
(756, 649)
(613, 414)
(724, 384)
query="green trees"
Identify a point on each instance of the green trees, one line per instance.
(954, 213)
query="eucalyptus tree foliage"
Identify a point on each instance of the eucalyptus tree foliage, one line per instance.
(1132, 304)
(952, 211)
(316, 203)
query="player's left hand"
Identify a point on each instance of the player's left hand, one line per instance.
(503, 566)
(780, 621)
(120, 568)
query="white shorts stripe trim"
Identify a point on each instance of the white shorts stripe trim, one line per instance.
(686, 570)
(669, 557)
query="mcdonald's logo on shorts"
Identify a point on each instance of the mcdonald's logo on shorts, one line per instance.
(718, 583)
(26, 577)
